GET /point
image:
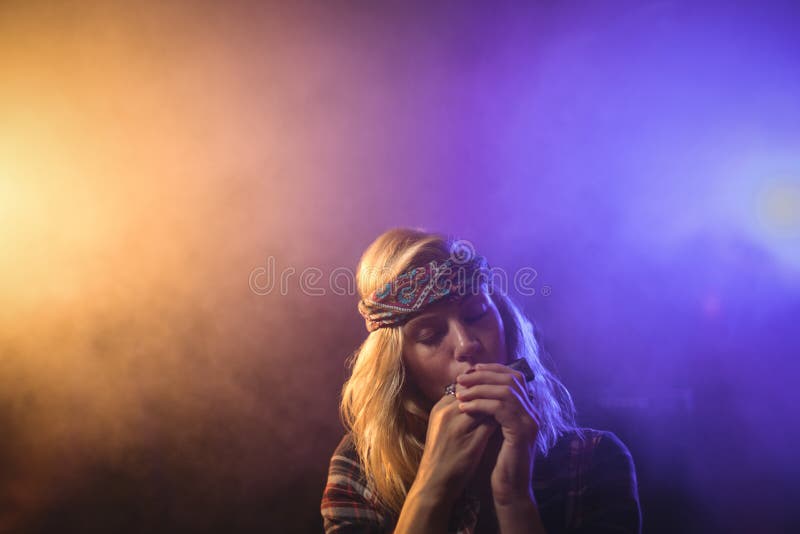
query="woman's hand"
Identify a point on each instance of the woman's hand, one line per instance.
(500, 392)
(454, 446)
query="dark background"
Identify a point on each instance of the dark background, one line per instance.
(155, 159)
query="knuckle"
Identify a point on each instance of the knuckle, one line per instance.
(440, 409)
(450, 409)
(528, 423)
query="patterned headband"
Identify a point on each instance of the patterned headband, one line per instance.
(397, 301)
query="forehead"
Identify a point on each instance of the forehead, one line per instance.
(442, 307)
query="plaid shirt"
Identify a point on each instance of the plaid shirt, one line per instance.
(581, 487)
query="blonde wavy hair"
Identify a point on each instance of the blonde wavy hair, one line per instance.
(377, 407)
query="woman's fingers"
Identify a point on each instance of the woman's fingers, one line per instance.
(506, 411)
(488, 391)
(497, 391)
(515, 421)
(508, 402)
(500, 375)
(494, 392)
(491, 407)
(497, 383)
(448, 414)
(508, 415)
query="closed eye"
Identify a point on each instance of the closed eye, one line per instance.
(431, 340)
(436, 336)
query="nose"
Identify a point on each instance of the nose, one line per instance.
(466, 344)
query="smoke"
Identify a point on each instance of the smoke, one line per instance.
(153, 157)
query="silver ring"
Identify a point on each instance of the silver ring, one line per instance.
(450, 389)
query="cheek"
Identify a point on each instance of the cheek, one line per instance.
(428, 372)
(419, 366)
(499, 340)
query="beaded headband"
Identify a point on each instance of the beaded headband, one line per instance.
(397, 301)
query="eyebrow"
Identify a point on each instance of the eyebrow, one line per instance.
(420, 319)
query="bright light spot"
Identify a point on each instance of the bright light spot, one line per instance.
(779, 208)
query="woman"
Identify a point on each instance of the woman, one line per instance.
(444, 436)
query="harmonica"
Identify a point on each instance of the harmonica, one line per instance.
(523, 367)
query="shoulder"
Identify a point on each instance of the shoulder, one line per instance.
(346, 500)
(593, 443)
(580, 452)
(607, 481)
(346, 470)
(346, 449)
(595, 457)
(608, 450)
